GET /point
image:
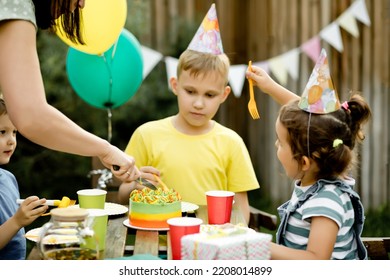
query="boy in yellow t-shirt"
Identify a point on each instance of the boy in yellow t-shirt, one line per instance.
(192, 152)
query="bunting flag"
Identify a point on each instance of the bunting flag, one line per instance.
(359, 10)
(286, 64)
(237, 78)
(348, 22)
(291, 60)
(171, 65)
(332, 35)
(277, 67)
(312, 48)
(150, 58)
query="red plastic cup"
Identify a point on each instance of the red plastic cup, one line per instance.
(178, 227)
(219, 206)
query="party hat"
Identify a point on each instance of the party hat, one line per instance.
(208, 38)
(320, 96)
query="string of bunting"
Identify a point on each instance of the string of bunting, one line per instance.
(284, 64)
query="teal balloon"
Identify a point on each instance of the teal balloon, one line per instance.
(108, 80)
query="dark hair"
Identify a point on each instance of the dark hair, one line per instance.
(3, 108)
(344, 124)
(70, 21)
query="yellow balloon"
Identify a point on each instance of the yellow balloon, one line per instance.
(103, 21)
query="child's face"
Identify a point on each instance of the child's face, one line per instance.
(284, 152)
(199, 97)
(7, 139)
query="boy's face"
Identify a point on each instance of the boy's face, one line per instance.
(199, 98)
(7, 139)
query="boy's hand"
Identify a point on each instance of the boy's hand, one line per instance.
(148, 172)
(30, 209)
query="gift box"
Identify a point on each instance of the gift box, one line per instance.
(226, 242)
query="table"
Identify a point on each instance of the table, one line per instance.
(146, 242)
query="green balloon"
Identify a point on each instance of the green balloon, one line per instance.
(110, 79)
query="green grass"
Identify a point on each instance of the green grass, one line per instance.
(377, 223)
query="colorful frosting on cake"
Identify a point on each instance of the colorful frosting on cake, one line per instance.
(152, 208)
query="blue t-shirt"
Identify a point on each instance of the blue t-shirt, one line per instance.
(9, 192)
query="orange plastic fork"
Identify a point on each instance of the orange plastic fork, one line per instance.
(164, 187)
(252, 107)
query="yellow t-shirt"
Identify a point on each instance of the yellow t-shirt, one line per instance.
(192, 165)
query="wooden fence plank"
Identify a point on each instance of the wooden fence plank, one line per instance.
(262, 29)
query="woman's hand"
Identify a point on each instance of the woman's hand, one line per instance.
(128, 186)
(122, 165)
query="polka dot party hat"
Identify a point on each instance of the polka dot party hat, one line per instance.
(208, 38)
(320, 96)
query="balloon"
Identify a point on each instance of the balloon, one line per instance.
(103, 21)
(107, 80)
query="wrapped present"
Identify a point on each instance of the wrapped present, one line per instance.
(226, 242)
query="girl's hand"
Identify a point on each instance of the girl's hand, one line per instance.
(260, 78)
(267, 85)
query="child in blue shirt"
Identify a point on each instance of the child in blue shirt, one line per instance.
(13, 218)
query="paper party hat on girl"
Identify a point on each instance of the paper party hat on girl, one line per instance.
(208, 38)
(320, 96)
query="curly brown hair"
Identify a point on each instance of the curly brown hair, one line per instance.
(313, 135)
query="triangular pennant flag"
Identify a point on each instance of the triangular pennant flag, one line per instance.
(263, 65)
(332, 35)
(291, 60)
(150, 58)
(348, 22)
(171, 66)
(312, 48)
(278, 68)
(359, 10)
(320, 96)
(237, 78)
(208, 38)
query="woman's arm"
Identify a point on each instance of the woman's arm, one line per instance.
(23, 90)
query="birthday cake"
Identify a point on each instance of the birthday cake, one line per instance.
(152, 208)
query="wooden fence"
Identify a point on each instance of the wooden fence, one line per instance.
(258, 30)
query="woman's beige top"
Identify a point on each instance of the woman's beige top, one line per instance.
(17, 9)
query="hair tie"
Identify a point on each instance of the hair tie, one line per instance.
(345, 105)
(337, 142)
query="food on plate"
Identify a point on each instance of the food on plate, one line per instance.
(152, 208)
(70, 254)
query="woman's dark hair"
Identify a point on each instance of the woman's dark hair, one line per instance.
(3, 108)
(313, 135)
(45, 11)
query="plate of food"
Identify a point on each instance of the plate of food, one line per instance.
(188, 207)
(61, 237)
(112, 208)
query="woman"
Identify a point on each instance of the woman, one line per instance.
(22, 85)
